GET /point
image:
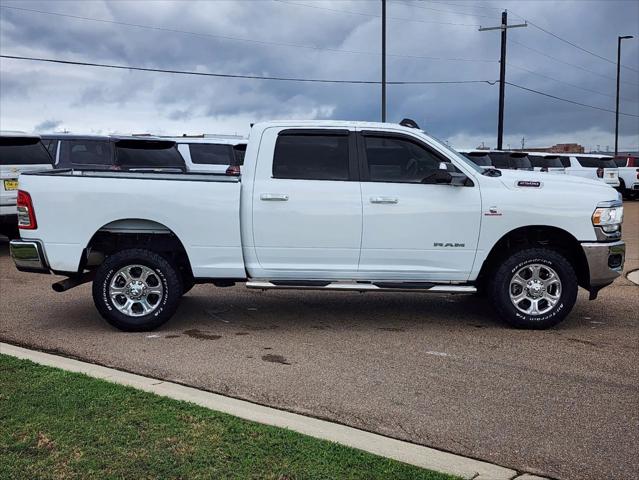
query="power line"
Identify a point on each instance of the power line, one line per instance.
(226, 37)
(580, 47)
(412, 4)
(568, 101)
(307, 80)
(372, 15)
(568, 63)
(474, 5)
(518, 67)
(250, 77)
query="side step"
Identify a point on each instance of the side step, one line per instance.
(360, 287)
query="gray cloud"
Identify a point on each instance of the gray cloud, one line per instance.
(98, 99)
(47, 126)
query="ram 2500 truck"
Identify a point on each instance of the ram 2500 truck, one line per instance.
(348, 206)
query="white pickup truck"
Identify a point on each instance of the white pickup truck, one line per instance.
(347, 206)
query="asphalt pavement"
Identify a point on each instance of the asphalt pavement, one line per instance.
(435, 370)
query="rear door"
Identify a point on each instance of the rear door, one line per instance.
(307, 208)
(18, 154)
(414, 229)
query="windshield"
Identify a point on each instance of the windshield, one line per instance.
(454, 153)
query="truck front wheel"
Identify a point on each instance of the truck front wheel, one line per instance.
(534, 288)
(136, 290)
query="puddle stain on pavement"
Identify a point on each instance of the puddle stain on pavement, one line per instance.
(195, 333)
(275, 359)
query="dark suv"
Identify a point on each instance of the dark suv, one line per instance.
(94, 152)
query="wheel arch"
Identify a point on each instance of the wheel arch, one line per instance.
(554, 238)
(127, 233)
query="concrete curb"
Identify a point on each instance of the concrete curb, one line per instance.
(410, 453)
(633, 277)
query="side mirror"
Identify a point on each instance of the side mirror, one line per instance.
(444, 177)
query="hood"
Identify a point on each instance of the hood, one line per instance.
(512, 178)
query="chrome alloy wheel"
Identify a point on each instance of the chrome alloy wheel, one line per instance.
(136, 290)
(535, 289)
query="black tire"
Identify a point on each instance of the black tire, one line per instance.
(164, 274)
(187, 284)
(500, 288)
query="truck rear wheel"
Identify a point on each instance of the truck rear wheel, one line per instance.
(136, 290)
(534, 288)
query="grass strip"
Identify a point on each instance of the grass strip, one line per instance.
(61, 425)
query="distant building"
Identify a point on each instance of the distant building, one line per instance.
(558, 148)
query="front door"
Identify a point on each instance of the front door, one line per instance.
(307, 207)
(413, 230)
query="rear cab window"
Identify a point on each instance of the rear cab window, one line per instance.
(211, 154)
(312, 155)
(85, 153)
(594, 162)
(148, 155)
(23, 151)
(550, 161)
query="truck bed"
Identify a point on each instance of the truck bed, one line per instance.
(202, 210)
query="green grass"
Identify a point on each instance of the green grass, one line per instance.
(55, 424)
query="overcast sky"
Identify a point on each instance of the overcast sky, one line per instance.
(338, 39)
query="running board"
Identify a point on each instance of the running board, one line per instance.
(360, 287)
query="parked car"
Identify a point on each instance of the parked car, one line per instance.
(546, 162)
(510, 160)
(95, 152)
(325, 205)
(19, 153)
(628, 175)
(596, 167)
(211, 154)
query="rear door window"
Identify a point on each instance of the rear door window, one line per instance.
(23, 151)
(317, 156)
(211, 154)
(144, 154)
(547, 162)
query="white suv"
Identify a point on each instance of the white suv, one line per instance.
(19, 153)
(596, 167)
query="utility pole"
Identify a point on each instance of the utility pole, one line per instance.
(383, 60)
(502, 72)
(619, 39)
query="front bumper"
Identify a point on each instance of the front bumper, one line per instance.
(605, 263)
(28, 255)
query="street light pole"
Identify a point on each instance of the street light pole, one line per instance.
(619, 39)
(383, 60)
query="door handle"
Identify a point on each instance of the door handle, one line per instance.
(389, 200)
(274, 197)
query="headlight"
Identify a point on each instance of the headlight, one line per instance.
(608, 218)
